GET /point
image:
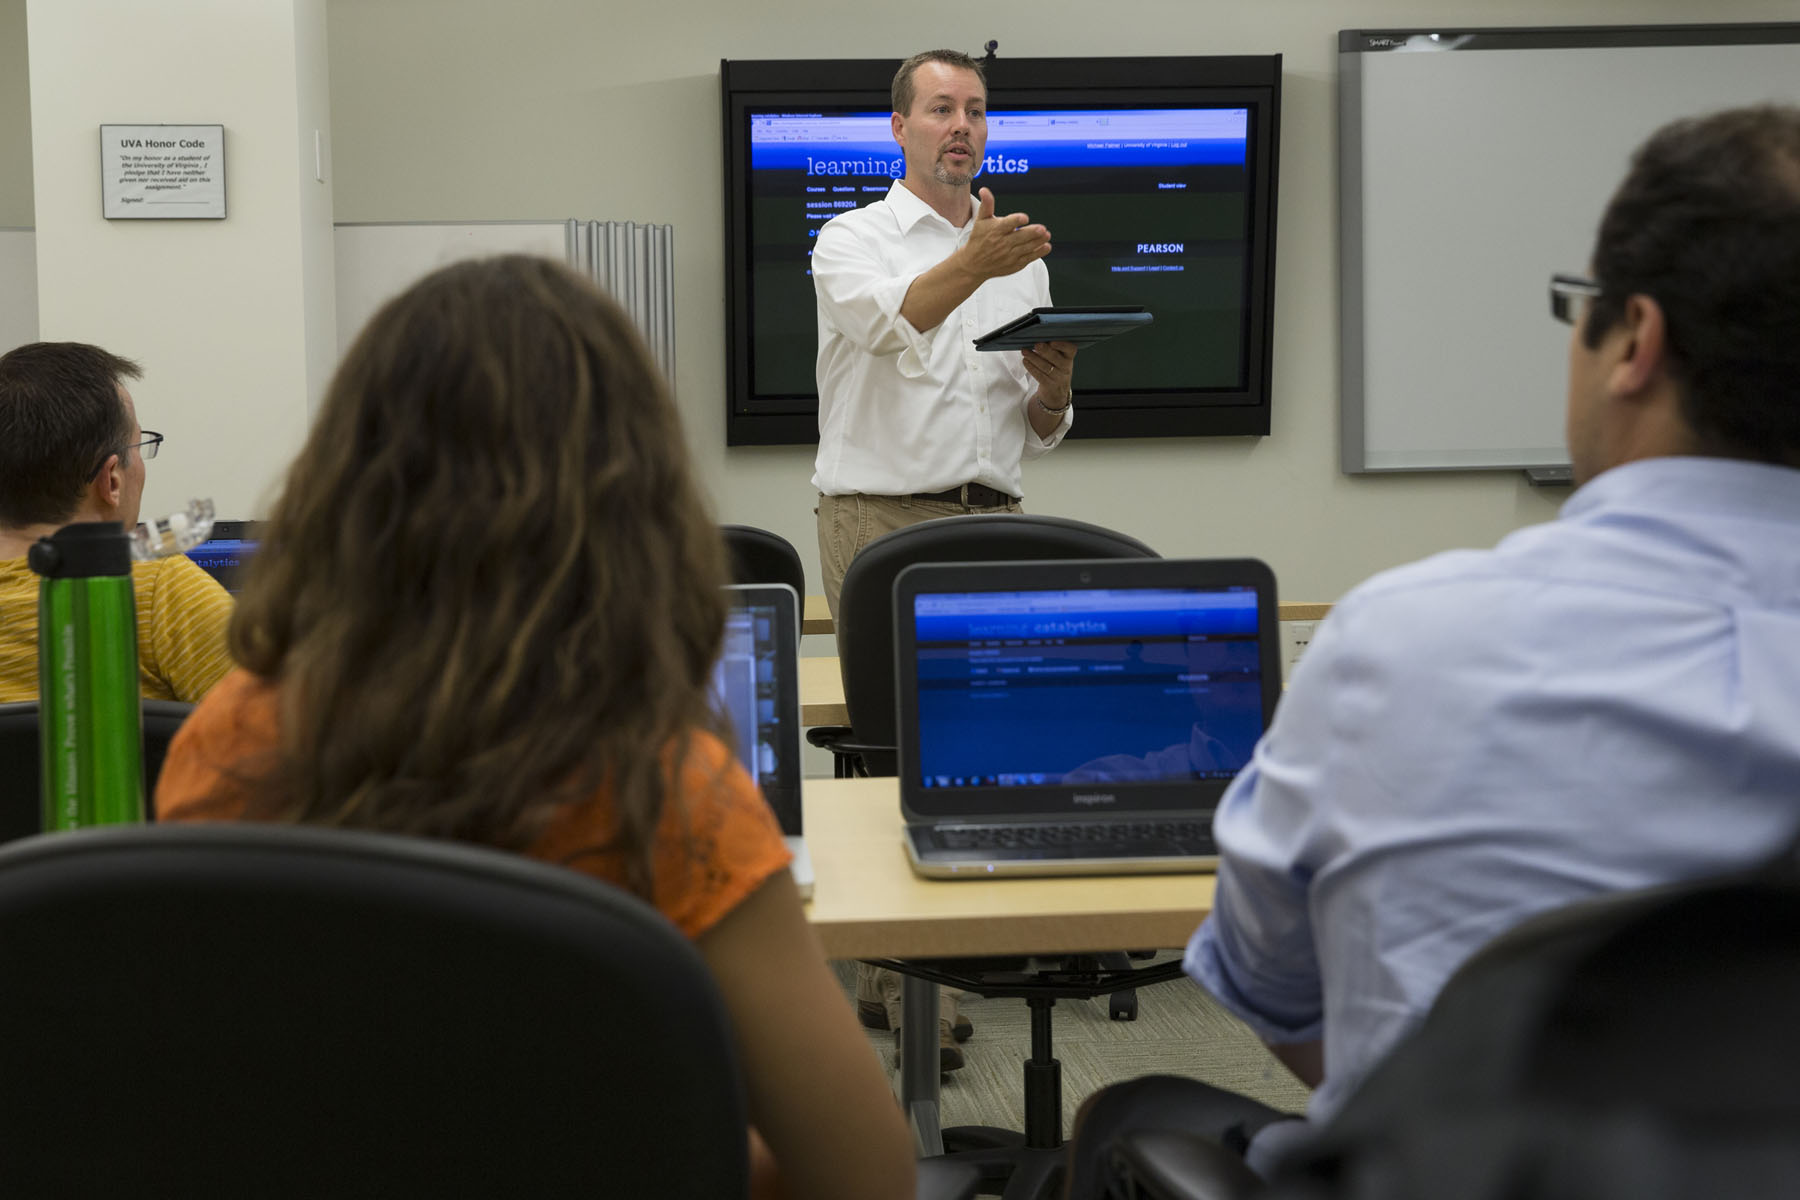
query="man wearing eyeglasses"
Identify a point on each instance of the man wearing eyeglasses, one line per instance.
(71, 449)
(1608, 701)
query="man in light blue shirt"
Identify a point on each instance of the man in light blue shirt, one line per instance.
(1607, 701)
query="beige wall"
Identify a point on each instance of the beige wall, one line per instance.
(217, 312)
(475, 109)
(558, 108)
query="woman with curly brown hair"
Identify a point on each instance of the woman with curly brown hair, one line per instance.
(486, 609)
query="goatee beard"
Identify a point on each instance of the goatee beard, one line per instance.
(944, 175)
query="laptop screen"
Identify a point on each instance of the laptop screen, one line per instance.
(1150, 688)
(226, 554)
(757, 683)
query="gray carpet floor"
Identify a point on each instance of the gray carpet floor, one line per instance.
(1180, 1030)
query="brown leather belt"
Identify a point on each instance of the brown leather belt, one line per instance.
(970, 495)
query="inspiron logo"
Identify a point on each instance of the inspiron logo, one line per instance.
(1092, 798)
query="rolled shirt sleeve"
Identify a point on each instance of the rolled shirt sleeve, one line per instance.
(1255, 951)
(1035, 446)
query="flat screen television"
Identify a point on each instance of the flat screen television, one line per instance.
(1155, 176)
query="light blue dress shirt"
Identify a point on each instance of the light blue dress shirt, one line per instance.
(1610, 700)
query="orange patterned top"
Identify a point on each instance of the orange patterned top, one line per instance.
(716, 843)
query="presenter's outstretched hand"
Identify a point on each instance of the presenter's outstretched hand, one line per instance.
(1002, 245)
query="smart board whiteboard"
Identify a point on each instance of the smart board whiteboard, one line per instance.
(375, 262)
(18, 288)
(1474, 164)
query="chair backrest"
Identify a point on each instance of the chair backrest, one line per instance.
(865, 627)
(237, 1010)
(21, 807)
(1629, 1045)
(759, 556)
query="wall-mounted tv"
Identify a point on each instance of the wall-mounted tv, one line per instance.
(1155, 176)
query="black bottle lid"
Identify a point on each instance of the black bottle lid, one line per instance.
(84, 550)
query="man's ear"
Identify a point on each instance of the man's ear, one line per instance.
(108, 487)
(1644, 352)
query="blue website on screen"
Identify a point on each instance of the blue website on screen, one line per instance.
(1144, 206)
(1086, 686)
(224, 559)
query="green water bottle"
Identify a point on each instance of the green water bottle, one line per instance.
(90, 721)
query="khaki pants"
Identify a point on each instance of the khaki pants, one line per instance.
(848, 523)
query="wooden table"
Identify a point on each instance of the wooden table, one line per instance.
(822, 692)
(867, 903)
(815, 615)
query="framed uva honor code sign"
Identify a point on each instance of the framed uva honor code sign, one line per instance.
(162, 172)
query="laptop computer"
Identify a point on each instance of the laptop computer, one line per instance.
(1077, 718)
(758, 683)
(226, 554)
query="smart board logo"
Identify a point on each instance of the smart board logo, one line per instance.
(1090, 799)
(1384, 43)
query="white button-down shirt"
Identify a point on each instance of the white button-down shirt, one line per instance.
(902, 411)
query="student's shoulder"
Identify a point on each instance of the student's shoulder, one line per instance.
(179, 578)
(711, 773)
(1430, 607)
(242, 705)
(235, 723)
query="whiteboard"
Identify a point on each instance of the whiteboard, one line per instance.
(377, 261)
(1472, 166)
(18, 288)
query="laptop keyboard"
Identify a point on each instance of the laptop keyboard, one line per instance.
(1082, 839)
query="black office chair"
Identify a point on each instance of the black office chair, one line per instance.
(1633, 1044)
(865, 620)
(21, 807)
(1029, 1162)
(759, 556)
(246, 1010)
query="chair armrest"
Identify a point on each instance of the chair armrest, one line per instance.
(1180, 1166)
(848, 758)
(838, 740)
(946, 1179)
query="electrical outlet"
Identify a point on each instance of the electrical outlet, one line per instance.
(1295, 637)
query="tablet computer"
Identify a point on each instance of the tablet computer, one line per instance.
(1082, 326)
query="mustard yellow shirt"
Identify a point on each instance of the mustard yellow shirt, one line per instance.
(181, 617)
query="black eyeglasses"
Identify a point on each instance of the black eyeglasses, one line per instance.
(146, 449)
(1564, 290)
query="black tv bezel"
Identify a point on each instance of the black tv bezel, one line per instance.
(1251, 79)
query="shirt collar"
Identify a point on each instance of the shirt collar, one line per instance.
(909, 210)
(1693, 485)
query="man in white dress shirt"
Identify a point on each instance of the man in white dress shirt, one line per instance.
(914, 422)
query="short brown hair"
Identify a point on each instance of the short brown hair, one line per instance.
(1707, 223)
(60, 419)
(903, 78)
